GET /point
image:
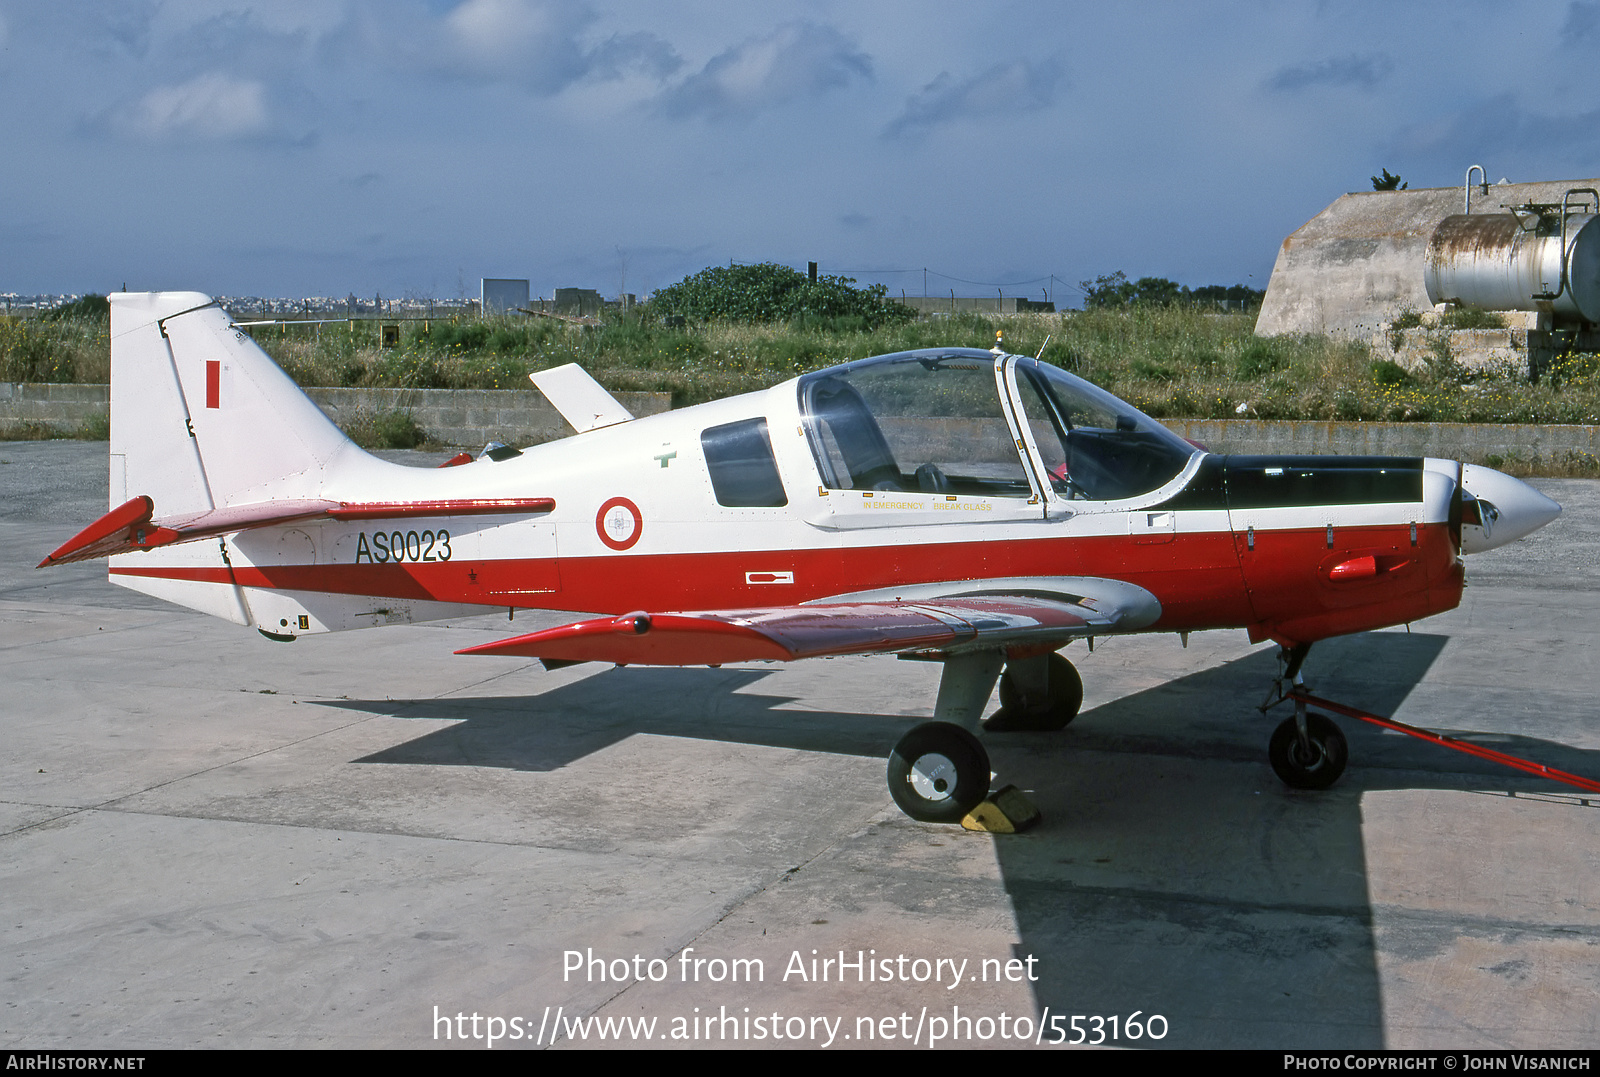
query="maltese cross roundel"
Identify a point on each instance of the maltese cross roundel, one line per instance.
(618, 523)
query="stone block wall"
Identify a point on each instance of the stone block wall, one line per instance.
(1450, 441)
(468, 418)
(471, 418)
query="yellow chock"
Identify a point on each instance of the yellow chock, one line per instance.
(1008, 811)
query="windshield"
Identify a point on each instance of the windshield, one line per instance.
(916, 421)
(1095, 447)
(932, 421)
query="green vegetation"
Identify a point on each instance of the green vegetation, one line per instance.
(1388, 182)
(94, 428)
(630, 352)
(66, 349)
(1115, 291)
(1174, 361)
(1568, 464)
(1389, 373)
(29, 431)
(1470, 317)
(1406, 319)
(385, 430)
(89, 307)
(758, 294)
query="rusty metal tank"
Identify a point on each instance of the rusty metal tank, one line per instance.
(1538, 257)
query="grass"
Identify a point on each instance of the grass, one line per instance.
(693, 364)
(94, 428)
(1569, 464)
(58, 350)
(1172, 362)
(1470, 317)
(386, 430)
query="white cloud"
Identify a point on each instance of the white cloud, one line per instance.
(801, 59)
(210, 106)
(518, 37)
(538, 44)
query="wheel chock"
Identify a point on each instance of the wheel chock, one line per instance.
(1007, 811)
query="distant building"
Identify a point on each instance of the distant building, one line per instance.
(578, 302)
(503, 295)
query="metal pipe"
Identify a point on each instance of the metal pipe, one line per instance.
(1466, 189)
(1566, 269)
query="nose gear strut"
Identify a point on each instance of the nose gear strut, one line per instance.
(1308, 752)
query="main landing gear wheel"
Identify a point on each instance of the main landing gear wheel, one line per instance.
(1316, 768)
(1048, 711)
(938, 773)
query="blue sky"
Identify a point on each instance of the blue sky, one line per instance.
(412, 146)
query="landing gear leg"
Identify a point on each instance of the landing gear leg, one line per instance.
(965, 686)
(1307, 751)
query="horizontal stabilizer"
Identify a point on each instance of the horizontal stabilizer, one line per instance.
(580, 399)
(790, 632)
(131, 526)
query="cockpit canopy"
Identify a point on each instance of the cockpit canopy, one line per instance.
(941, 422)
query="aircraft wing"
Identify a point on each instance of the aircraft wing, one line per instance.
(789, 632)
(132, 526)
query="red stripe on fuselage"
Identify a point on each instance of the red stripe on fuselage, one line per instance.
(1197, 577)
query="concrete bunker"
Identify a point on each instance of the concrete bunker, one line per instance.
(1497, 276)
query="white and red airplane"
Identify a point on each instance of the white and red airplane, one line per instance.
(971, 507)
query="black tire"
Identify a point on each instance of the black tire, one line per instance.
(1329, 753)
(938, 773)
(1063, 699)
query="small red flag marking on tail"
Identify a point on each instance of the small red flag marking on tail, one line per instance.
(213, 383)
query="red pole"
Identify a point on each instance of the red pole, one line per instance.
(1481, 752)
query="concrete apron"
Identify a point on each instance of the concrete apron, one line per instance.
(208, 839)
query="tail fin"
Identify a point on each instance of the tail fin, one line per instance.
(229, 486)
(201, 418)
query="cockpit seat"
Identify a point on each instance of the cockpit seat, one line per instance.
(930, 480)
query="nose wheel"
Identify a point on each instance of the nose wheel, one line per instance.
(1314, 761)
(1307, 750)
(938, 773)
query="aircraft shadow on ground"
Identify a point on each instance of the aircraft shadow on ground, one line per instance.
(1208, 715)
(561, 726)
(1215, 896)
(1173, 875)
